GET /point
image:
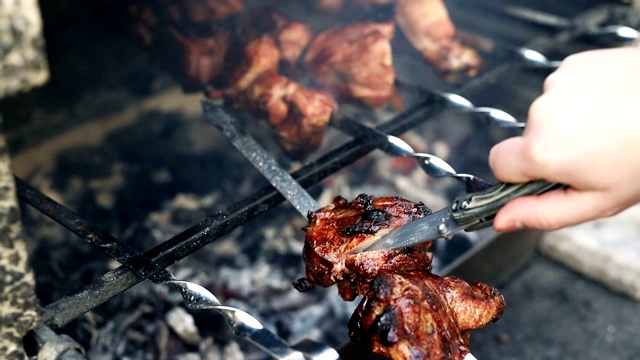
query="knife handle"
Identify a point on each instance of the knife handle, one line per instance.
(478, 209)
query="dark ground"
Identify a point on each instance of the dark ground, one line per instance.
(555, 313)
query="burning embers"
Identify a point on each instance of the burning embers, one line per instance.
(288, 74)
(406, 311)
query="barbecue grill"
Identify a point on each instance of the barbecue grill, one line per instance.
(344, 163)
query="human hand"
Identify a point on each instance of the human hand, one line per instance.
(583, 131)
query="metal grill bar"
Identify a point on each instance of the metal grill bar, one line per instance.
(261, 160)
(114, 282)
(92, 234)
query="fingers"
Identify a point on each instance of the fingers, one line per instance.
(515, 160)
(550, 211)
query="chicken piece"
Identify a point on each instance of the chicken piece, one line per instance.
(197, 61)
(427, 25)
(268, 96)
(290, 36)
(298, 116)
(335, 231)
(302, 131)
(259, 56)
(419, 315)
(406, 311)
(355, 62)
(292, 39)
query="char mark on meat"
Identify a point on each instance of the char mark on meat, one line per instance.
(406, 312)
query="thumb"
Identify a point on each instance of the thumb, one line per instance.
(549, 211)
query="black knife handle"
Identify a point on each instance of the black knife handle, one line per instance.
(479, 209)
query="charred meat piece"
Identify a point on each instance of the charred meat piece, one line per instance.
(291, 37)
(335, 231)
(427, 25)
(259, 56)
(197, 61)
(268, 97)
(419, 315)
(406, 311)
(299, 116)
(355, 62)
(302, 131)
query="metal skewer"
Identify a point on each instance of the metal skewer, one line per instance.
(489, 115)
(280, 179)
(195, 296)
(395, 146)
(536, 59)
(621, 32)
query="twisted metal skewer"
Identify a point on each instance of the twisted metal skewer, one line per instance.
(489, 115)
(394, 146)
(623, 32)
(243, 324)
(195, 296)
(433, 165)
(536, 59)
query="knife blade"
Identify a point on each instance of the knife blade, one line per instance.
(283, 182)
(468, 212)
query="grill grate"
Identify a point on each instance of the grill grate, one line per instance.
(115, 282)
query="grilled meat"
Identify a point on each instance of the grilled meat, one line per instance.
(427, 25)
(298, 115)
(337, 230)
(418, 315)
(406, 311)
(258, 56)
(354, 61)
(255, 59)
(291, 37)
(198, 60)
(302, 131)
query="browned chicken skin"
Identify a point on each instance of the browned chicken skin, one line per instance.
(199, 59)
(298, 115)
(418, 315)
(335, 231)
(427, 25)
(217, 47)
(354, 61)
(406, 311)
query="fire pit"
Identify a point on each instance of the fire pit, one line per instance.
(156, 184)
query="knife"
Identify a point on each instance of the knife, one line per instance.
(468, 212)
(282, 181)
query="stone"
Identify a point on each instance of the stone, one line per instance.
(607, 250)
(23, 62)
(19, 311)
